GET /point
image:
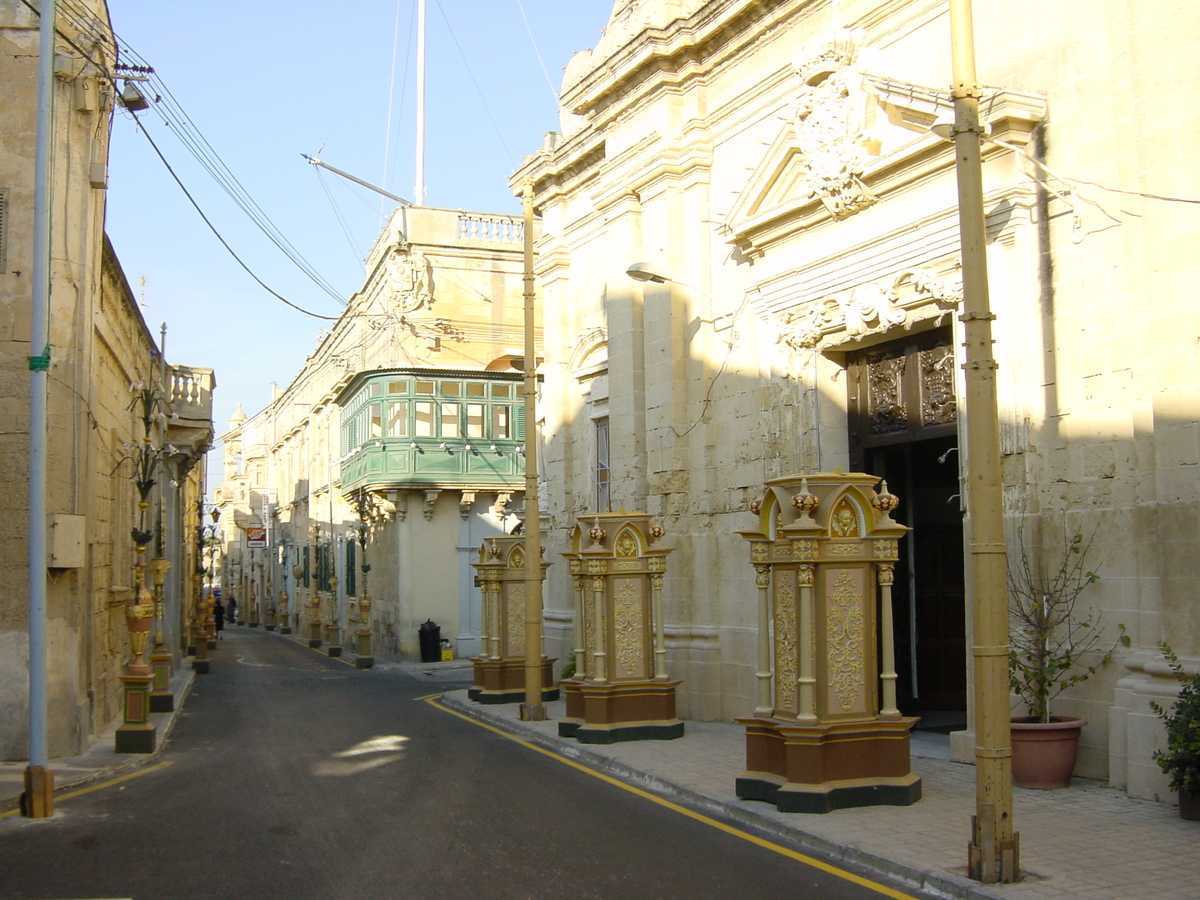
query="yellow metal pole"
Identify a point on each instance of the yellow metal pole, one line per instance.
(994, 848)
(532, 709)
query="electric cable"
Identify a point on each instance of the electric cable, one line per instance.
(474, 81)
(537, 51)
(224, 243)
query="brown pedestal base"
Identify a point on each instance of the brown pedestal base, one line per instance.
(135, 739)
(503, 681)
(334, 651)
(627, 711)
(364, 662)
(314, 643)
(820, 768)
(37, 800)
(162, 701)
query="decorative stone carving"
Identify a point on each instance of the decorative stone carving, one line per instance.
(411, 277)
(826, 123)
(430, 503)
(870, 308)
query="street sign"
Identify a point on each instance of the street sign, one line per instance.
(256, 538)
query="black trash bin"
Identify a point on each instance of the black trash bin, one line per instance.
(430, 635)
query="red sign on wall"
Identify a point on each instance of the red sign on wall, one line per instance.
(256, 538)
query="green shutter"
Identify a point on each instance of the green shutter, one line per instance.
(519, 422)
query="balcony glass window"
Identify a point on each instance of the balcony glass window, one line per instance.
(397, 419)
(424, 387)
(451, 388)
(502, 390)
(424, 419)
(451, 420)
(476, 389)
(501, 423)
(475, 420)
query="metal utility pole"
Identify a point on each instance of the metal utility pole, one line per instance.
(532, 709)
(324, 165)
(994, 849)
(419, 189)
(38, 800)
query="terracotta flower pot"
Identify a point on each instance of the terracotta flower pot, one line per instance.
(1044, 752)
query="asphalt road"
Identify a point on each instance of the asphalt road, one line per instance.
(292, 775)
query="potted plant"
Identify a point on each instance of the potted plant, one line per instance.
(1181, 759)
(1053, 645)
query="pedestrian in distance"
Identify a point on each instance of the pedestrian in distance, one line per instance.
(231, 611)
(219, 619)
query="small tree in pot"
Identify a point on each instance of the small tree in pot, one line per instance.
(1052, 647)
(1181, 759)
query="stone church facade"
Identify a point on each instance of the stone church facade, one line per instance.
(749, 267)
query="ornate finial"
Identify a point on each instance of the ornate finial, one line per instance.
(885, 502)
(804, 501)
(596, 533)
(656, 532)
(756, 506)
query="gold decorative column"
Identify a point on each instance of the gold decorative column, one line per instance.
(284, 622)
(500, 667)
(161, 698)
(621, 690)
(314, 622)
(334, 625)
(830, 735)
(136, 733)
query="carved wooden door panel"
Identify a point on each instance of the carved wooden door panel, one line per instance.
(901, 391)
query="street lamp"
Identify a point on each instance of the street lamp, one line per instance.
(648, 272)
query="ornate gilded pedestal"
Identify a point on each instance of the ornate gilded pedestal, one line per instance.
(314, 623)
(136, 733)
(500, 667)
(161, 698)
(620, 691)
(284, 627)
(830, 735)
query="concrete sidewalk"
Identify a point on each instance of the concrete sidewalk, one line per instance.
(101, 760)
(1086, 841)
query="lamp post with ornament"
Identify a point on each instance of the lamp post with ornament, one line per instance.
(364, 658)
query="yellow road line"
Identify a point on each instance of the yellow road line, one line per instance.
(682, 810)
(59, 798)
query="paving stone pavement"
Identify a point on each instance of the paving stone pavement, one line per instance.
(1086, 841)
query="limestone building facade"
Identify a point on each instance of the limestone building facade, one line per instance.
(769, 173)
(102, 355)
(407, 420)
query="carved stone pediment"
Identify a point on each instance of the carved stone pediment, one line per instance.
(819, 155)
(848, 138)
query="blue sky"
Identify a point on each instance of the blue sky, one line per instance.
(264, 81)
